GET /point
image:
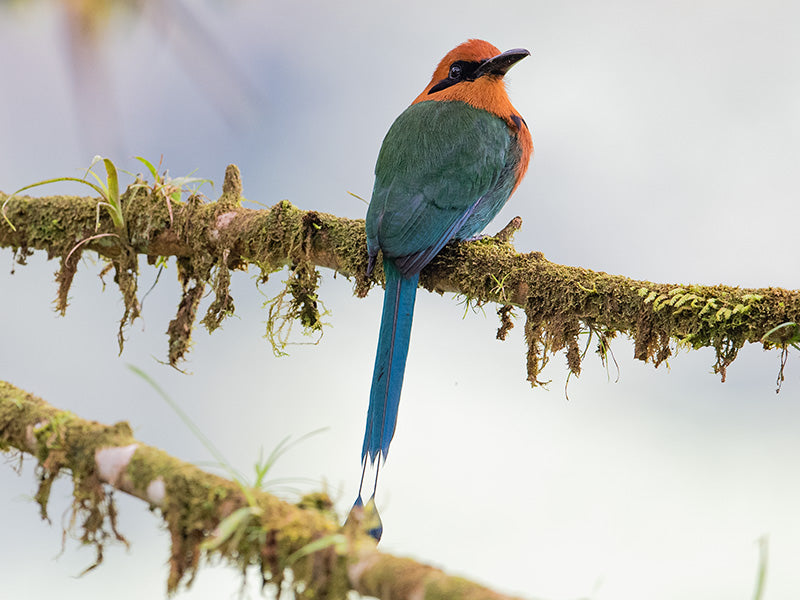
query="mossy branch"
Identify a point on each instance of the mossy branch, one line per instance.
(561, 303)
(306, 537)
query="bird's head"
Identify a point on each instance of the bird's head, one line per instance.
(473, 72)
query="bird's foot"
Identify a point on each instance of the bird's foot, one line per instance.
(475, 238)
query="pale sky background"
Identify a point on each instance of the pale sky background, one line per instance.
(667, 142)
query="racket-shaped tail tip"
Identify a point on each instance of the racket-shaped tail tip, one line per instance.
(372, 520)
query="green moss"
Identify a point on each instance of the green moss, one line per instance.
(561, 303)
(222, 306)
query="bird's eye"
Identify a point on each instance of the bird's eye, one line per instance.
(455, 72)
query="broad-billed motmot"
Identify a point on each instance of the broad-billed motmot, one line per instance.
(446, 167)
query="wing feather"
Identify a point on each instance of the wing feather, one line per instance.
(438, 162)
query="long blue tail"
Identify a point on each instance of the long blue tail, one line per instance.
(387, 381)
(390, 361)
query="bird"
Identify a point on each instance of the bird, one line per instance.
(446, 167)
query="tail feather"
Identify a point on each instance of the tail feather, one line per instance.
(390, 361)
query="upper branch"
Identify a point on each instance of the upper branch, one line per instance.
(560, 302)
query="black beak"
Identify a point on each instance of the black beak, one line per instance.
(500, 64)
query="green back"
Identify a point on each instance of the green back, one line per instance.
(438, 162)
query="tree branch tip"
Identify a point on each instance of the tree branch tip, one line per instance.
(232, 184)
(507, 232)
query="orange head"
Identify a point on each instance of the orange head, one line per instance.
(473, 72)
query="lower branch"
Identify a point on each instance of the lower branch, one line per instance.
(208, 515)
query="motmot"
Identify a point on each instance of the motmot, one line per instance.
(446, 167)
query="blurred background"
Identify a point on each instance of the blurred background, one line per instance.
(667, 142)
